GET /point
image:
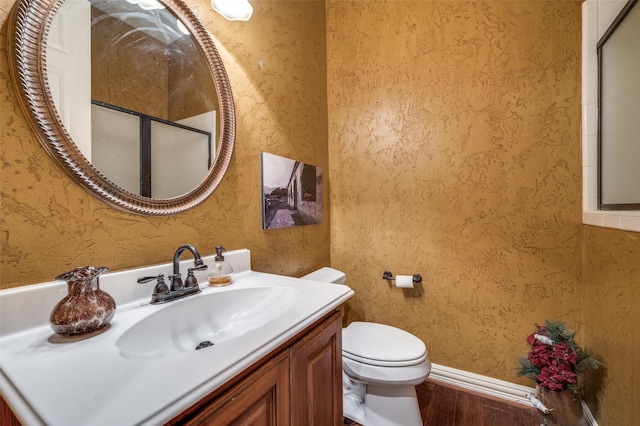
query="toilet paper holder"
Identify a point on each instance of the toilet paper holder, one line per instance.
(387, 275)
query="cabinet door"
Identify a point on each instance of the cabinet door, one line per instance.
(7, 418)
(261, 399)
(316, 376)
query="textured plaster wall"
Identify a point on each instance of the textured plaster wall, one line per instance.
(611, 318)
(276, 65)
(454, 152)
(120, 76)
(182, 85)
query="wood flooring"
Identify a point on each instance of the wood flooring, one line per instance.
(447, 406)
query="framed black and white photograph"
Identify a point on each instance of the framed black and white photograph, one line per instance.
(291, 192)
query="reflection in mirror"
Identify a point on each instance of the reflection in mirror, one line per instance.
(154, 102)
(619, 120)
(156, 72)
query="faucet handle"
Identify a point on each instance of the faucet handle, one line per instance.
(200, 267)
(160, 287)
(144, 280)
(191, 280)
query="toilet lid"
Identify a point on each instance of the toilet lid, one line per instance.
(381, 344)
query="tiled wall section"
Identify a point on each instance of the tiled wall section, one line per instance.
(276, 65)
(597, 16)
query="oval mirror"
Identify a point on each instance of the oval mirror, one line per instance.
(130, 97)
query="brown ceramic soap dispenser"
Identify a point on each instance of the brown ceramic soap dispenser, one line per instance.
(221, 271)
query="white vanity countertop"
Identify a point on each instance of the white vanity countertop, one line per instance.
(50, 380)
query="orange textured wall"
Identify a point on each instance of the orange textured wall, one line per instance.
(611, 323)
(454, 152)
(454, 146)
(49, 225)
(119, 76)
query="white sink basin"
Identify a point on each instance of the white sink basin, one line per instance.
(182, 325)
(105, 379)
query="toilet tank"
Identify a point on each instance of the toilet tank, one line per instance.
(327, 275)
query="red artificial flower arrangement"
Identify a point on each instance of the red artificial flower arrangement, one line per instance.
(555, 359)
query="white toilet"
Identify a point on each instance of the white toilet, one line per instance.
(381, 365)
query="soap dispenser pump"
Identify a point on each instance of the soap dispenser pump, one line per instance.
(221, 272)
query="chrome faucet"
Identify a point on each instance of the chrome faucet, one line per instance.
(163, 293)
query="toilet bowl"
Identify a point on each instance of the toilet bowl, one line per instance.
(381, 365)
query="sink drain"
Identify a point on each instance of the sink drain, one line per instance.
(203, 345)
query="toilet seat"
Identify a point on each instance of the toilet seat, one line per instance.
(382, 345)
(387, 376)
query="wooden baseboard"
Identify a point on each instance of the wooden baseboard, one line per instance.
(488, 386)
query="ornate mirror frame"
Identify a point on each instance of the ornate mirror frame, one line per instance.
(29, 25)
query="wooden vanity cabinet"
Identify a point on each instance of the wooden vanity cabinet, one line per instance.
(260, 399)
(316, 376)
(7, 418)
(299, 384)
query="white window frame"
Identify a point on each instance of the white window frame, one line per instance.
(597, 17)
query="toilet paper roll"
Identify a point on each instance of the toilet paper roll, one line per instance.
(404, 281)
